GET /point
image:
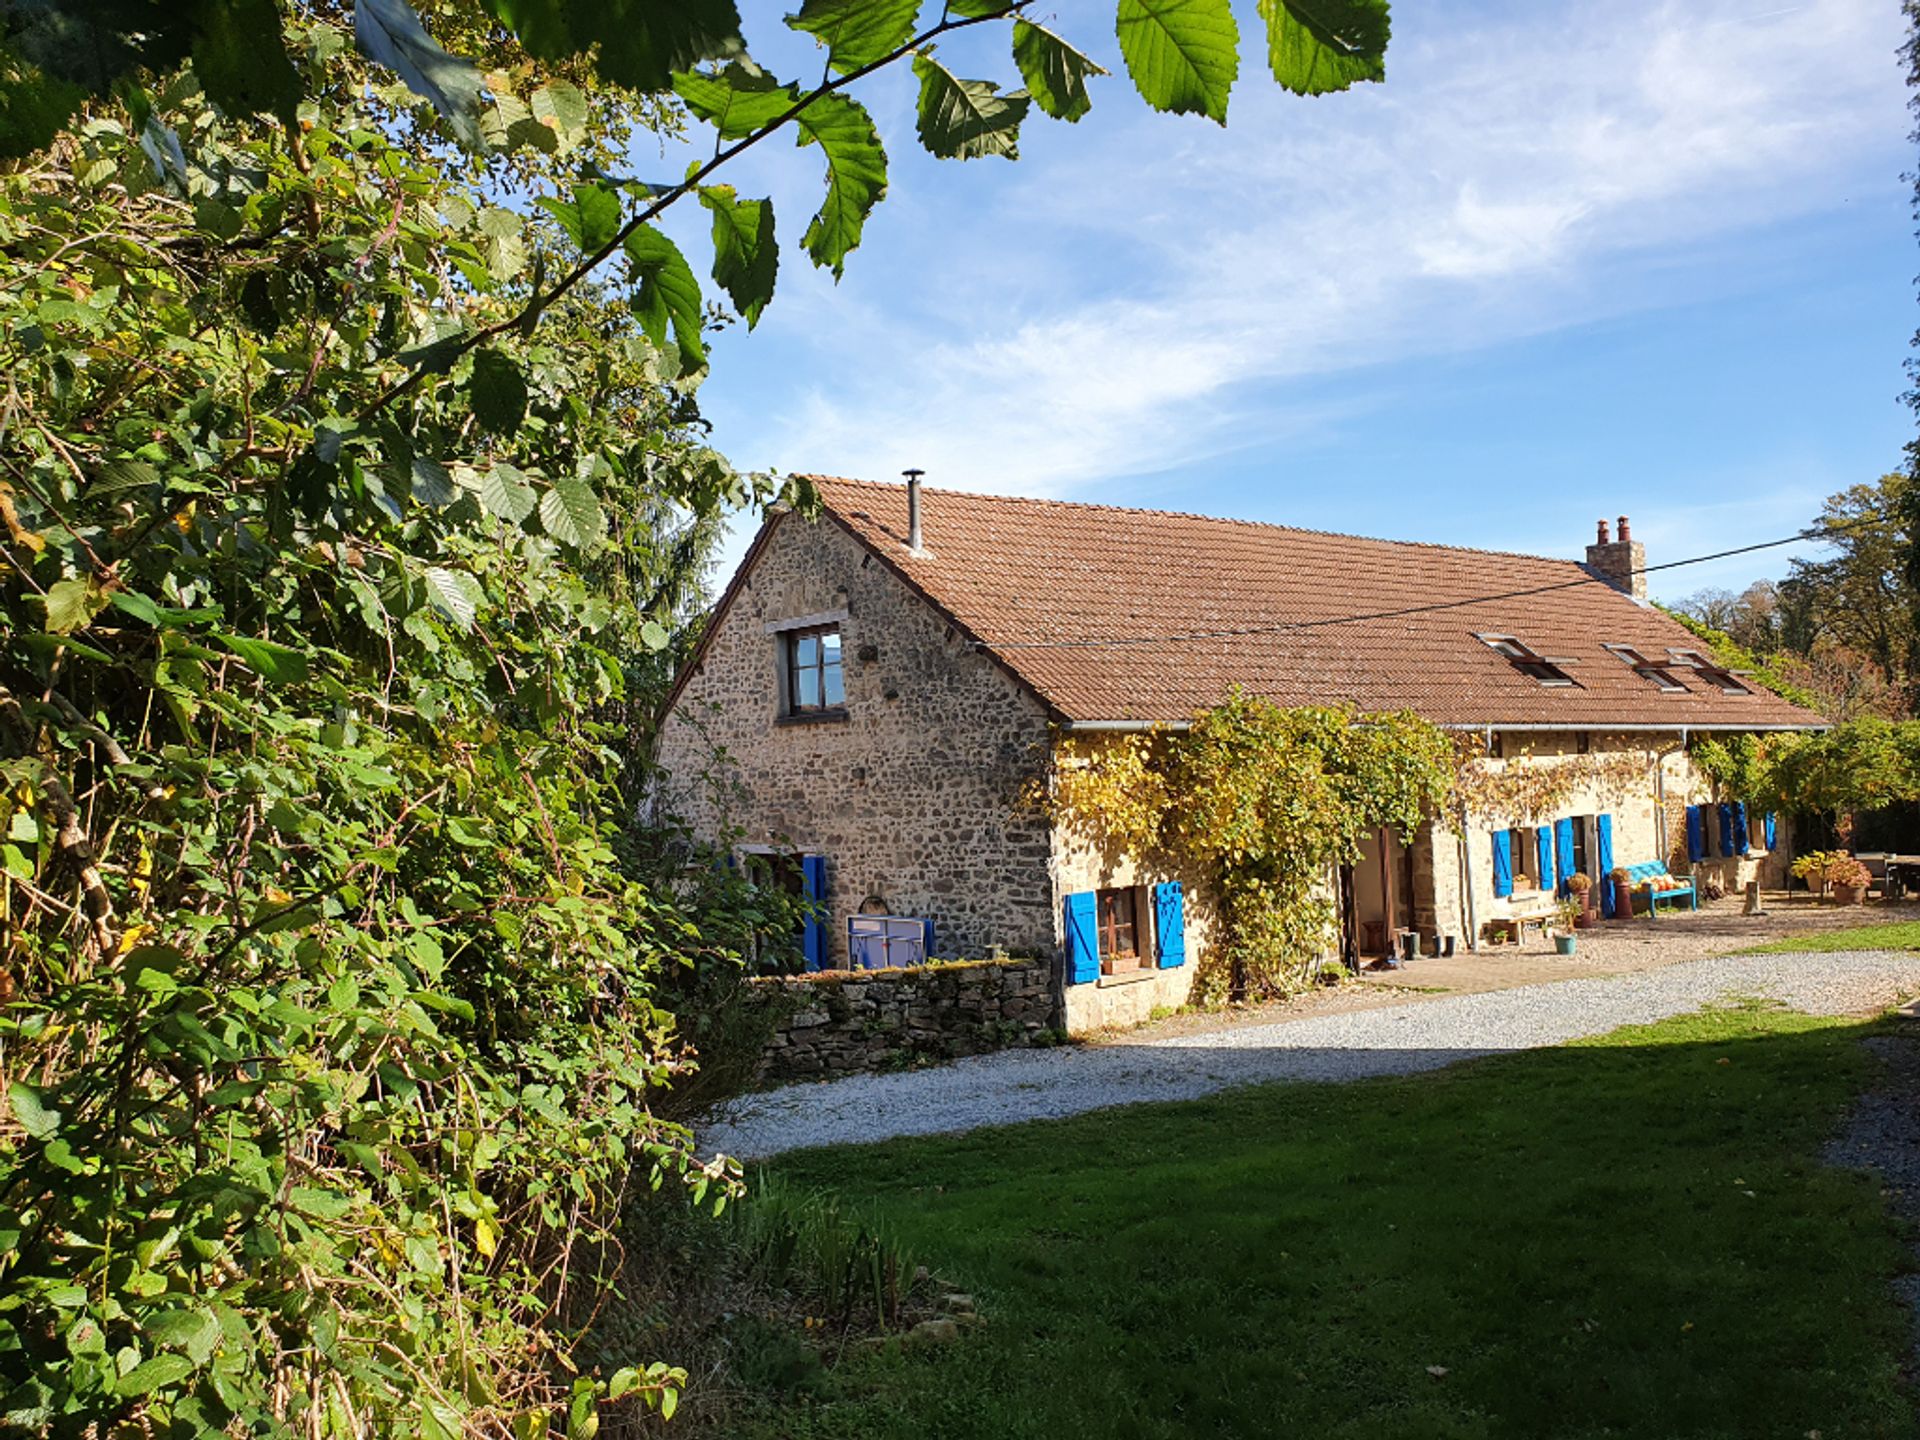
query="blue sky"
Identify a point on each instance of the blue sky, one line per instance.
(1569, 261)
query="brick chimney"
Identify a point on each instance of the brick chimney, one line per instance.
(1619, 561)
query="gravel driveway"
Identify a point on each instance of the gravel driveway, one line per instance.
(1016, 1085)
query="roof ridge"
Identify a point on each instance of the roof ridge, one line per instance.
(893, 487)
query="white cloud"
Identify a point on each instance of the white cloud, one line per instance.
(1139, 289)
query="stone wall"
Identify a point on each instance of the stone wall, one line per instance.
(914, 796)
(839, 1022)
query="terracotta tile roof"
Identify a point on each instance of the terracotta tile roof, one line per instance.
(1115, 614)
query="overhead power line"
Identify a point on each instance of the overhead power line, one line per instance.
(1287, 626)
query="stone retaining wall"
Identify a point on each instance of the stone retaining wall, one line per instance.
(840, 1022)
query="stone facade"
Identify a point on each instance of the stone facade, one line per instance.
(839, 1022)
(914, 797)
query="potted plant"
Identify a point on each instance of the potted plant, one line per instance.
(1622, 892)
(1849, 878)
(1814, 867)
(1563, 938)
(1580, 887)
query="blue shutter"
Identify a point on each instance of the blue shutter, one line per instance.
(1502, 864)
(1170, 925)
(1696, 835)
(1768, 825)
(1742, 842)
(926, 939)
(1563, 839)
(813, 939)
(1083, 938)
(1726, 829)
(1543, 843)
(1603, 856)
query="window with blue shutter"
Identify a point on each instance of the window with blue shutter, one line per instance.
(813, 938)
(1502, 863)
(1769, 824)
(1696, 835)
(1742, 842)
(1083, 938)
(1603, 857)
(1169, 925)
(1563, 842)
(1727, 847)
(926, 939)
(1543, 843)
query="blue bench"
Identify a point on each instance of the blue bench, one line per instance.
(1638, 882)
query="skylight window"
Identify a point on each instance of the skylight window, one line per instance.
(1526, 660)
(1651, 671)
(1711, 671)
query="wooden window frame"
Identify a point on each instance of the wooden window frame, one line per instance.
(1711, 671)
(1652, 671)
(792, 707)
(1106, 929)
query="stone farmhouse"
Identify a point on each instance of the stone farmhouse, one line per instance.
(880, 688)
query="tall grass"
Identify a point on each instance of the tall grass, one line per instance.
(815, 1245)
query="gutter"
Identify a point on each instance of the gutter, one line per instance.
(1600, 727)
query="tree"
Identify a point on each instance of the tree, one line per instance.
(1861, 597)
(344, 502)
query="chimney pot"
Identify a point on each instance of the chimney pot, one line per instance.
(1625, 535)
(913, 509)
(1603, 533)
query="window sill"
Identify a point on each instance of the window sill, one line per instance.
(813, 717)
(1126, 977)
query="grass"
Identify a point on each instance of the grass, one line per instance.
(1630, 1237)
(1888, 935)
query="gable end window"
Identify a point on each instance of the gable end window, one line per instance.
(1711, 671)
(813, 677)
(1526, 660)
(1649, 670)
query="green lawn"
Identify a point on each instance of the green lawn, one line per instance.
(1888, 935)
(1633, 1237)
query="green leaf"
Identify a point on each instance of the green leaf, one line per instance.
(570, 511)
(856, 176)
(195, 1331)
(735, 100)
(654, 635)
(591, 218)
(390, 34)
(1319, 46)
(505, 492)
(746, 258)
(30, 1108)
(240, 59)
(1055, 72)
(456, 594)
(432, 485)
(155, 1374)
(321, 1204)
(560, 106)
(641, 42)
(125, 474)
(857, 32)
(278, 664)
(1183, 55)
(498, 392)
(72, 603)
(668, 294)
(966, 119)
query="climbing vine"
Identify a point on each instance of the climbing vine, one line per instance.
(1540, 787)
(1261, 802)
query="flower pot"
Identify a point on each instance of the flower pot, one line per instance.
(1563, 944)
(1585, 920)
(1849, 894)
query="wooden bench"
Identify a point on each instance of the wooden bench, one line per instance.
(1640, 880)
(1516, 925)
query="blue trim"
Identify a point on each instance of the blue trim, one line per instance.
(1769, 824)
(813, 937)
(1563, 870)
(1742, 841)
(1083, 938)
(1696, 835)
(1543, 847)
(1502, 864)
(1725, 817)
(1603, 855)
(926, 939)
(1170, 925)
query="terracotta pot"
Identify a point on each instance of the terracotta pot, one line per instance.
(1849, 894)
